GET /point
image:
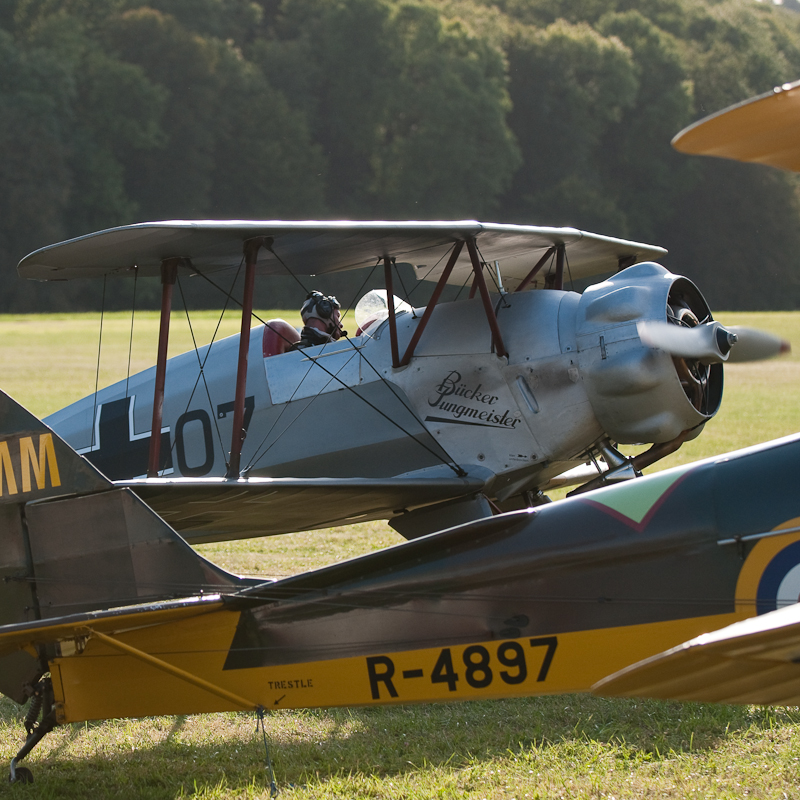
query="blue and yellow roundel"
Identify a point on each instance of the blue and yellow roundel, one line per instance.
(770, 576)
(780, 582)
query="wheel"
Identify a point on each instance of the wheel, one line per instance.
(22, 775)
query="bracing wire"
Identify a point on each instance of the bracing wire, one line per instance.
(201, 366)
(453, 466)
(202, 363)
(97, 371)
(258, 455)
(130, 341)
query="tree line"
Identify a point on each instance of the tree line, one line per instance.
(548, 112)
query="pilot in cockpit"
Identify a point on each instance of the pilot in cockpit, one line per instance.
(321, 320)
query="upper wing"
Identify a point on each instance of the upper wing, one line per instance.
(753, 661)
(762, 130)
(314, 248)
(216, 509)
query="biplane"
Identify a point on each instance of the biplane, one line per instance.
(428, 416)
(682, 583)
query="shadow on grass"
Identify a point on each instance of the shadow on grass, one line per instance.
(311, 747)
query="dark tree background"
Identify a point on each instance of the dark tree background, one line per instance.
(549, 112)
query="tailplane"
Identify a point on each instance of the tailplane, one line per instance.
(70, 541)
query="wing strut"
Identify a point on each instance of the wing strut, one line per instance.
(497, 338)
(412, 345)
(387, 272)
(171, 669)
(169, 273)
(558, 281)
(251, 248)
(491, 317)
(535, 271)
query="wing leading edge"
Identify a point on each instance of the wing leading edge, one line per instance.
(761, 130)
(753, 661)
(315, 248)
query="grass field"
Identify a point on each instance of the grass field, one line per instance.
(555, 747)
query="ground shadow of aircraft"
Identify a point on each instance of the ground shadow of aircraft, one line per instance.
(679, 584)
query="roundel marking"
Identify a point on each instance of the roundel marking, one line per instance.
(780, 582)
(789, 588)
(770, 576)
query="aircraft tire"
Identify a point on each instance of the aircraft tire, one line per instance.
(23, 775)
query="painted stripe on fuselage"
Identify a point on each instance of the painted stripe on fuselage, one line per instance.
(102, 683)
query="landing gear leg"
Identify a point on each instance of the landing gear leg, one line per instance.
(620, 468)
(41, 700)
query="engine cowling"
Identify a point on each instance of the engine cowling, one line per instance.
(640, 393)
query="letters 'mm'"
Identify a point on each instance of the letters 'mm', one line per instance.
(40, 462)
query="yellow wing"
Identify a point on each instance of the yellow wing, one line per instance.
(753, 661)
(762, 130)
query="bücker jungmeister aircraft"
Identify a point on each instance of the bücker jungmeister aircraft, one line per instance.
(108, 612)
(428, 416)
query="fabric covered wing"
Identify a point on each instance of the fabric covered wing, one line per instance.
(762, 130)
(753, 661)
(314, 248)
(216, 509)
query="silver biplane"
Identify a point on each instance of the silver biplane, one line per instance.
(429, 416)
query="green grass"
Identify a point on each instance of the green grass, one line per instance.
(50, 361)
(552, 747)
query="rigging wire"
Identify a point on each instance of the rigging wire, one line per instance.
(359, 351)
(283, 264)
(444, 255)
(97, 371)
(201, 364)
(130, 342)
(462, 287)
(258, 455)
(453, 466)
(485, 264)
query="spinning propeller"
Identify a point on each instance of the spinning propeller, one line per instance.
(711, 342)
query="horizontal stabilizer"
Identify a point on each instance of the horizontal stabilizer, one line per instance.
(753, 661)
(216, 509)
(72, 543)
(43, 632)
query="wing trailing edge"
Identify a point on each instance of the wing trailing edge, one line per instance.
(216, 509)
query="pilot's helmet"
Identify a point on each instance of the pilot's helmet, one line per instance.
(321, 307)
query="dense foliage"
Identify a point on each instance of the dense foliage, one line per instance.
(538, 111)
